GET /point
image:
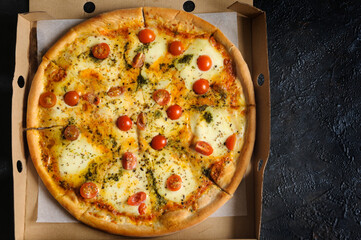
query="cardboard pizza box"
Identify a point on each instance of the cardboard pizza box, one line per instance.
(251, 23)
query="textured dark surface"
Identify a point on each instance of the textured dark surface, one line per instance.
(312, 185)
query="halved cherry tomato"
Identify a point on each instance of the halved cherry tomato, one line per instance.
(58, 75)
(203, 148)
(129, 161)
(201, 86)
(141, 209)
(204, 62)
(124, 123)
(146, 36)
(47, 100)
(138, 60)
(174, 182)
(91, 98)
(141, 122)
(161, 96)
(176, 48)
(174, 112)
(158, 142)
(101, 50)
(116, 91)
(88, 190)
(216, 170)
(137, 198)
(71, 133)
(71, 98)
(231, 141)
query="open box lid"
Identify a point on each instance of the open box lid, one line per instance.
(256, 55)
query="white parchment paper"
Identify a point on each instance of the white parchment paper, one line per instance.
(48, 32)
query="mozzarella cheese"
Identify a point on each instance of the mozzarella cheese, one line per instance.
(74, 156)
(156, 49)
(190, 72)
(120, 184)
(215, 125)
(166, 164)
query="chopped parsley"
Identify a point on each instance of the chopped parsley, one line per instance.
(141, 81)
(186, 59)
(208, 117)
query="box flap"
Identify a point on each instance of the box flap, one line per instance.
(257, 58)
(245, 9)
(77, 8)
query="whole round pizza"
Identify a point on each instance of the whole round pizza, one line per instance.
(142, 121)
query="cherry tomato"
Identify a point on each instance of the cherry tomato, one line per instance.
(204, 62)
(176, 48)
(138, 60)
(116, 91)
(47, 100)
(146, 36)
(88, 190)
(129, 161)
(71, 98)
(71, 133)
(161, 96)
(201, 86)
(137, 198)
(91, 98)
(203, 148)
(124, 123)
(141, 122)
(158, 142)
(174, 182)
(141, 209)
(101, 50)
(174, 112)
(216, 170)
(58, 75)
(231, 142)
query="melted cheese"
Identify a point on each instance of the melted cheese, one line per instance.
(166, 164)
(176, 131)
(74, 156)
(156, 49)
(221, 124)
(190, 72)
(120, 184)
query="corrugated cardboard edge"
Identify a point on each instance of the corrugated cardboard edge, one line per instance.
(19, 146)
(259, 67)
(261, 150)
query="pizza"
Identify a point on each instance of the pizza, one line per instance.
(141, 122)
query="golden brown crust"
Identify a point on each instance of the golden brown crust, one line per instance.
(244, 75)
(177, 20)
(246, 152)
(112, 21)
(170, 222)
(53, 52)
(32, 120)
(222, 39)
(33, 137)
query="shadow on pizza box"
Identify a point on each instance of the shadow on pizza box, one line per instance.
(252, 42)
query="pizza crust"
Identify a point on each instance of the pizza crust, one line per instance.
(246, 152)
(244, 76)
(176, 20)
(170, 222)
(37, 86)
(132, 17)
(33, 137)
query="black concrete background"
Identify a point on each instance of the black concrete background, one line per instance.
(312, 184)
